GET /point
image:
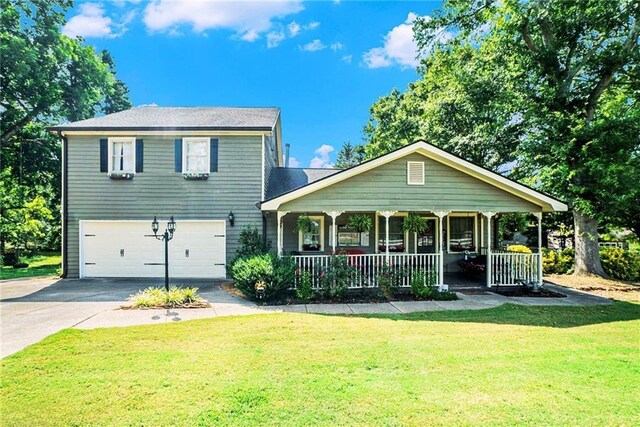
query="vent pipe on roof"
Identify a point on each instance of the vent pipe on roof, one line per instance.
(287, 147)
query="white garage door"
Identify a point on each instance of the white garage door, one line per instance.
(129, 249)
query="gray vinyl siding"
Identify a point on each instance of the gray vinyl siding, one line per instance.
(159, 190)
(270, 156)
(385, 188)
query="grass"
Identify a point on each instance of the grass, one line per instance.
(44, 264)
(511, 365)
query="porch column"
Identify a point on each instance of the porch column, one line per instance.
(489, 267)
(387, 215)
(280, 216)
(539, 216)
(334, 233)
(441, 244)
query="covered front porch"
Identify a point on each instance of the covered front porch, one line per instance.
(433, 253)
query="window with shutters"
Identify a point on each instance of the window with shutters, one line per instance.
(122, 155)
(195, 155)
(415, 173)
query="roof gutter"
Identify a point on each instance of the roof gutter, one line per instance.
(157, 128)
(65, 221)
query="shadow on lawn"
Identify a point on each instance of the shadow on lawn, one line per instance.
(511, 314)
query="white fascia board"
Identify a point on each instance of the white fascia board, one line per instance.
(546, 203)
(164, 132)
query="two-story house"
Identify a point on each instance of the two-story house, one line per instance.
(218, 169)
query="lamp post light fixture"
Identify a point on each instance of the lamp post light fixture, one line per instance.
(166, 236)
(232, 218)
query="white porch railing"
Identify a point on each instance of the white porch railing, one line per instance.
(365, 268)
(508, 268)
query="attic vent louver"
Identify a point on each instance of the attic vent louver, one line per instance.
(415, 173)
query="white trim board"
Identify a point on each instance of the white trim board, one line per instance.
(546, 203)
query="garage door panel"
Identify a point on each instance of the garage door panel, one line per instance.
(127, 249)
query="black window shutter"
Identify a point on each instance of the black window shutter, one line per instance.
(139, 155)
(178, 150)
(104, 155)
(213, 155)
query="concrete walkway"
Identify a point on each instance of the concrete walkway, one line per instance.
(32, 309)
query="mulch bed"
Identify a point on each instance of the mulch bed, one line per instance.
(361, 298)
(525, 292)
(198, 304)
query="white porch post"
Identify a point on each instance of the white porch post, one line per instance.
(334, 233)
(387, 215)
(489, 267)
(441, 244)
(539, 216)
(280, 215)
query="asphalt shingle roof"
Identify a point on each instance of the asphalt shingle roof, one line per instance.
(283, 180)
(153, 117)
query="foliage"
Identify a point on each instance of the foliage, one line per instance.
(423, 285)
(546, 91)
(555, 262)
(337, 276)
(304, 223)
(621, 264)
(40, 264)
(250, 243)
(350, 156)
(389, 279)
(304, 290)
(360, 222)
(511, 223)
(159, 297)
(519, 249)
(414, 223)
(275, 275)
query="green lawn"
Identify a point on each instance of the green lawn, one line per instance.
(45, 264)
(511, 365)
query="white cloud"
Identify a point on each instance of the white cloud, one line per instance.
(312, 25)
(91, 22)
(294, 28)
(313, 46)
(336, 46)
(293, 162)
(323, 158)
(347, 59)
(274, 38)
(399, 47)
(248, 19)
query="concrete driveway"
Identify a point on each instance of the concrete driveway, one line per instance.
(32, 309)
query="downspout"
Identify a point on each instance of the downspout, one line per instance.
(264, 229)
(65, 146)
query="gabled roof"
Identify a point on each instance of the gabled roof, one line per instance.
(180, 118)
(547, 203)
(283, 180)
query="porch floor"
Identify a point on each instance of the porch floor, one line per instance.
(457, 281)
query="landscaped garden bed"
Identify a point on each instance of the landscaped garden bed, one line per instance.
(158, 297)
(522, 291)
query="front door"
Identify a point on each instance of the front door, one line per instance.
(427, 239)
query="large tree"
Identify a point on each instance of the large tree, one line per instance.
(45, 77)
(568, 80)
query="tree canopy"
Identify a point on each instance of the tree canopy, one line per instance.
(45, 78)
(546, 90)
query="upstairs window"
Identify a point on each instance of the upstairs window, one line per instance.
(196, 155)
(415, 173)
(122, 155)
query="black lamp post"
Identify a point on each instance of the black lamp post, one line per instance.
(166, 236)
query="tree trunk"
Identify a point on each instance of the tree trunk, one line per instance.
(586, 245)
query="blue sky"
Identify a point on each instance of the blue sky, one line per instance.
(322, 62)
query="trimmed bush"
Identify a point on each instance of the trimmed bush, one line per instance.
(250, 243)
(522, 249)
(554, 262)
(423, 286)
(621, 264)
(264, 277)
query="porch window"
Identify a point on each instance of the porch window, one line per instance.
(462, 233)
(396, 235)
(313, 240)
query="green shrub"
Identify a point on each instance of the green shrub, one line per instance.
(250, 243)
(444, 296)
(304, 290)
(423, 285)
(337, 276)
(272, 274)
(554, 262)
(621, 264)
(389, 280)
(159, 297)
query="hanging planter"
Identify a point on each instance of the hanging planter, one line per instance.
(414, 223)
(360, 223)
(304, 224)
